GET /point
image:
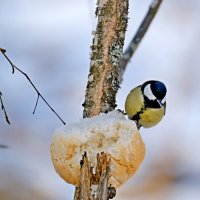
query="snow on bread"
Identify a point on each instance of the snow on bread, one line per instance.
(110, 133)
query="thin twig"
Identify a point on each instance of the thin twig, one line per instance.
(3, 109)
(3, 51)
(36, 103)
(153, 9)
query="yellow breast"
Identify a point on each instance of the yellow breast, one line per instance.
(151, 116)
(134, 102)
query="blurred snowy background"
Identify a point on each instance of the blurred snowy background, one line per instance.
(50, 40)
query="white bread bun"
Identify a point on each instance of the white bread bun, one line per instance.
(110, 133)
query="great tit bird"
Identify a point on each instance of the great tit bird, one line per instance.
(146, 103)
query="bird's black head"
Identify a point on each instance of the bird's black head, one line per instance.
(158, 89)
(154, 91)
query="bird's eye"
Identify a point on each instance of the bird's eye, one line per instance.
(163, 100)
(148, 92)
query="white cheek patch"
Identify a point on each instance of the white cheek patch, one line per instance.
(163, 100)
(148, 93)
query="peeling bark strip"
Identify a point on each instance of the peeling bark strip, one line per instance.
(94, 181)
(107, 48)
(85, 178)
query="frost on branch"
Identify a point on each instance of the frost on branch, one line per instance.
(110, 133)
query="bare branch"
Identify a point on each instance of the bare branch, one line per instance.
(107, 48)
(102, 86)
(36, 103)
(3, 109)
(3, 51)
(153, 9)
